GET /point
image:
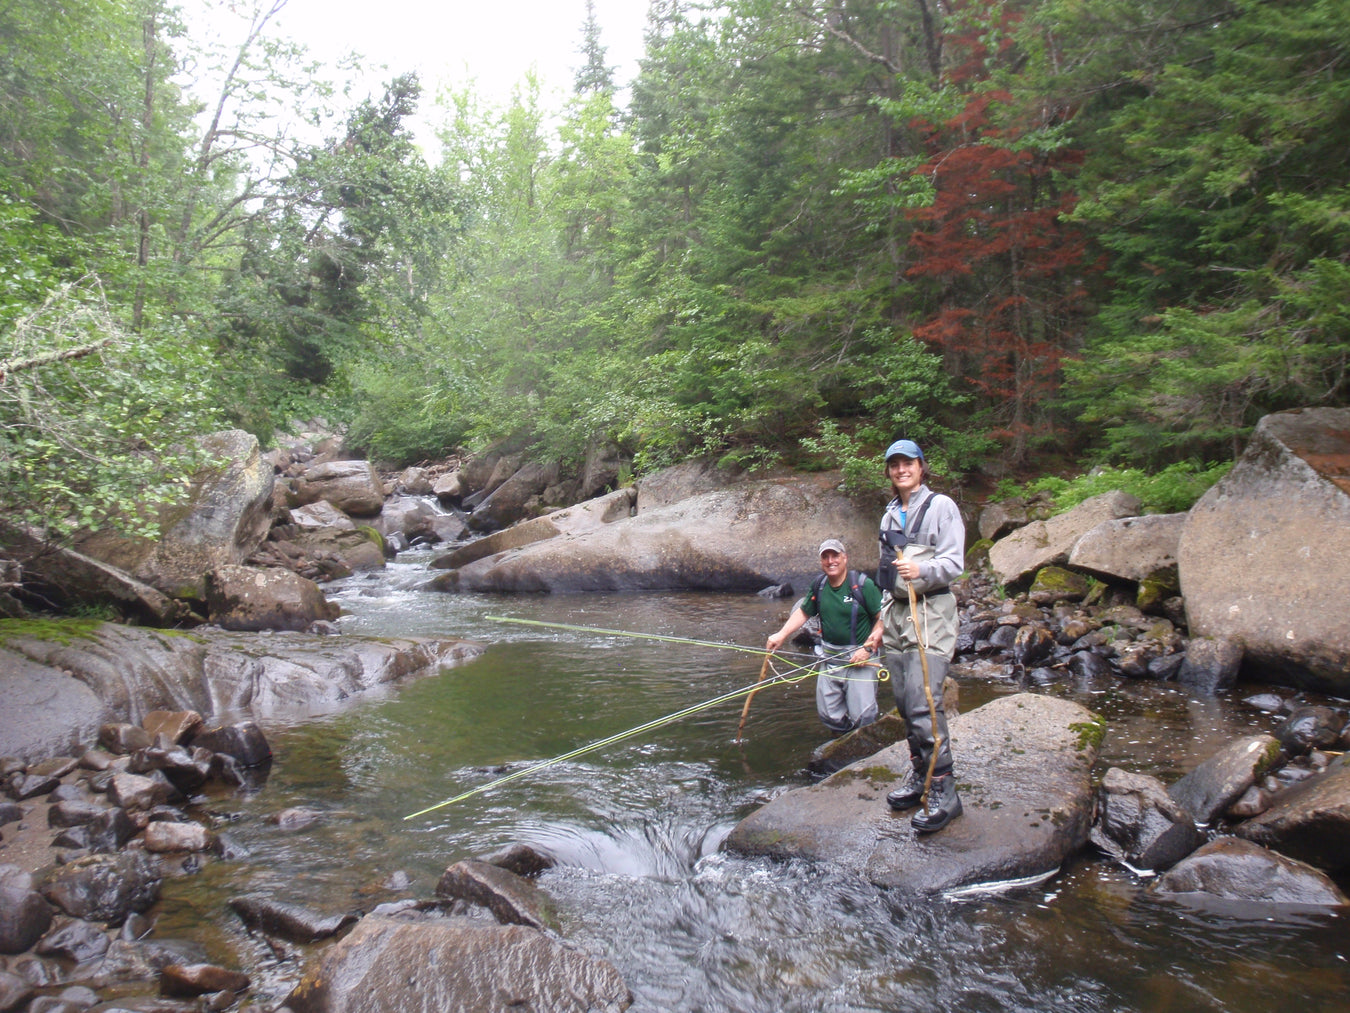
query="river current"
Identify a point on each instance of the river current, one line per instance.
(636, 827)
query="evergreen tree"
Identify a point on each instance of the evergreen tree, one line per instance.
(1219, 186)
(594, 76)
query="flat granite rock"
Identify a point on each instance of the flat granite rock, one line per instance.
(1023, 768)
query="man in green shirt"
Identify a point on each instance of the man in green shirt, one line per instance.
(848, 603)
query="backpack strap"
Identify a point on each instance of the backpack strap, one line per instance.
(918, 517)
(814, 593)
(854, 583)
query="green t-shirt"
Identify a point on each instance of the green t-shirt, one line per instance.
(836, 610)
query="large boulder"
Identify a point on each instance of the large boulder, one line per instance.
(1264, 553)
(1023, 768)
(403, 966)
(225, 516)
(744, 538)
(1131, 548)
(320, 514)
(350, 549)
(1018, 556)
(601, 470)
(254, 598)
(510, 501)
(1236, 870)
(683, 481)
(1222, 779)
(1140, 825)
(61, 573)
(354, 487)
(570, 520)
(410, 516)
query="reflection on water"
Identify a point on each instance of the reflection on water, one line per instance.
(636, 827)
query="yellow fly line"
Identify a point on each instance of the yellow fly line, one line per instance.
(882, 675)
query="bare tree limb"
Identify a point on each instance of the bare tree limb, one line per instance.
(19, 365)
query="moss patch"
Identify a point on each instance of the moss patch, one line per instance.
(60, 631)
(1090, 733)
(876, 775)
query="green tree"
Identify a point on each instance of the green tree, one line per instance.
(94, 419)
(350, 254)
(91, 141)
(1218, 183)
(594, 76)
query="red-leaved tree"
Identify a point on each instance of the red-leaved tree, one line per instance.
(1004, 273)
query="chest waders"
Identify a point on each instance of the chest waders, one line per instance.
(846, 695)
(936, 791)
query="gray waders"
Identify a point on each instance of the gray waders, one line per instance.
(846, 697)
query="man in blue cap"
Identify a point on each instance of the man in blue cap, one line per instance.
(923, 546)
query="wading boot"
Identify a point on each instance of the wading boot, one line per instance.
(908, 794)
(944, 805)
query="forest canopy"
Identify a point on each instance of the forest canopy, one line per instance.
(1047, 233)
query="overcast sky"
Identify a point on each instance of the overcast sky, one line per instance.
(493, 42)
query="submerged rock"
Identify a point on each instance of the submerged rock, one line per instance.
(512, 899)
(289, 921)
(1023, 766)
(389, 965)
(1234, 869)
(1309, 821)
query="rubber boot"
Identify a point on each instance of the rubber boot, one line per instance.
(944, 805)
(910, 791)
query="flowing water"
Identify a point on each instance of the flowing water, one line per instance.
(636, 828)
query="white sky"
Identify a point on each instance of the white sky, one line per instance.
(494, 42)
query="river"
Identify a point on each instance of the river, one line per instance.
(636, 827)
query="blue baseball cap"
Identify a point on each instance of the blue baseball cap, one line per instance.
(904, 448)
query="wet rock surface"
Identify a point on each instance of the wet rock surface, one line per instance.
(1231, 868)
(1023, 771)
(1139, 824)
(61, 685)
(389, 965)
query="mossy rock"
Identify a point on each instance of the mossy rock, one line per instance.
(977, 556)
(1156, 588)
(1055, 583)
(57, 631)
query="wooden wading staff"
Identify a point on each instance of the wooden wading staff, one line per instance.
(763, 671)
(927, 684)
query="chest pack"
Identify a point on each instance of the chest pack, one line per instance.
(855, 581)
(894, 540)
